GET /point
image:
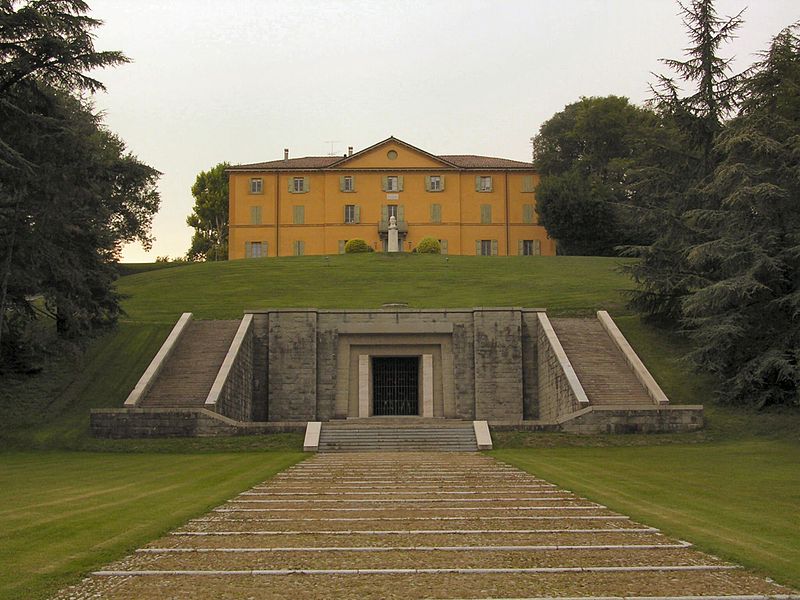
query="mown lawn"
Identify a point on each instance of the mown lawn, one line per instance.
(563, 284)
(739, 500)
(63, 514)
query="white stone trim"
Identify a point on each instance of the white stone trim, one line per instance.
(427, 385)
(563, 361)
(227, 364)
(157, 364)
(465, 571)
(363, 385)
(482, 435)
(311, 441)
(637, 366)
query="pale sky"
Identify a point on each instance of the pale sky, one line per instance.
(239, 80)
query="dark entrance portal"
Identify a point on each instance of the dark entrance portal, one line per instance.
(395, 385)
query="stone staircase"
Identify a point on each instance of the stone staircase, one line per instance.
(398, 435)
(189, 373)
(601, 368)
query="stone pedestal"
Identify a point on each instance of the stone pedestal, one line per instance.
(394, 243)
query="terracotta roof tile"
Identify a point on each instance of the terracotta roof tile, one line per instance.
(473, 161)
(304, 163)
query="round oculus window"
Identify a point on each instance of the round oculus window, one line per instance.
(391, 154)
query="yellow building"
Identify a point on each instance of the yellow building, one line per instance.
(474, 205)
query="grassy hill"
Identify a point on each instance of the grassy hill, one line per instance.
(223, 290)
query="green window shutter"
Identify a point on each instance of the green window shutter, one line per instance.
(527, 183)
(400, 183)
(491, 184)
(443, 246)
(357, 211)
(341, 183)
(341, 246)
(384, 213)
(537, 247)
(436, 213)
(302, 246)
(384, 183)
(477, 183)
(441, 183)
(352, 183)
(486, 214)
(306, 184)
(264, 248)
(401, 213)
(520, 245)
(248, 250)
(427, 183)
(477, 247)
(298, 218)
(527, 213)
(291, 185)
(255, 215)
(494, 247)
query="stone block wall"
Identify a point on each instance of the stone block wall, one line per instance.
(236, 399)
(292, 364)
(556, 397)
(530, 365)
(498, 364)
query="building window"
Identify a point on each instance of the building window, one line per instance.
(298, 247)
(531, 248)
(434, 183)
(346, 184)
(299, 215)
(527, 213)
(351, 213)
(391, 155)
(486, 214)
(255, 249)
(486, 247)
(528, 184)
(483, 183)
(436, 213)
(299, 184)
(391, 211)
(443, 246)
(392, 184)
(255, 215)
(256, 185)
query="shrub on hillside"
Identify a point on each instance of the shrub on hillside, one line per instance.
(429, 245)
(357, 245)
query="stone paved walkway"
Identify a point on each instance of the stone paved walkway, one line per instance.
(416, 525)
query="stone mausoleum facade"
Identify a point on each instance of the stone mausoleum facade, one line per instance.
(512, 367)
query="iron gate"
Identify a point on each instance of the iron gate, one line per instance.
(395, 385)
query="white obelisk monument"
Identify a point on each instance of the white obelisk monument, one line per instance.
(394, 244)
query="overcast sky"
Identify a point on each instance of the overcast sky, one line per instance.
(239, 80)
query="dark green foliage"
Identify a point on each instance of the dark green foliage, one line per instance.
(70, 195)
(672, 170)
(744, 313)
(210, 215)
(583, 154)
(357, 245)
(428, 245)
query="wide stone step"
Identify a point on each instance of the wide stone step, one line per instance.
(365, 438)
(600, 366)
(189, 373)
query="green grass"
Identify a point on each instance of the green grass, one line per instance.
(738, 500)
(63, 514)
(223, 290)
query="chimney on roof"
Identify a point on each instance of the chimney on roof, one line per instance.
(285, 154)
(349, 151)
